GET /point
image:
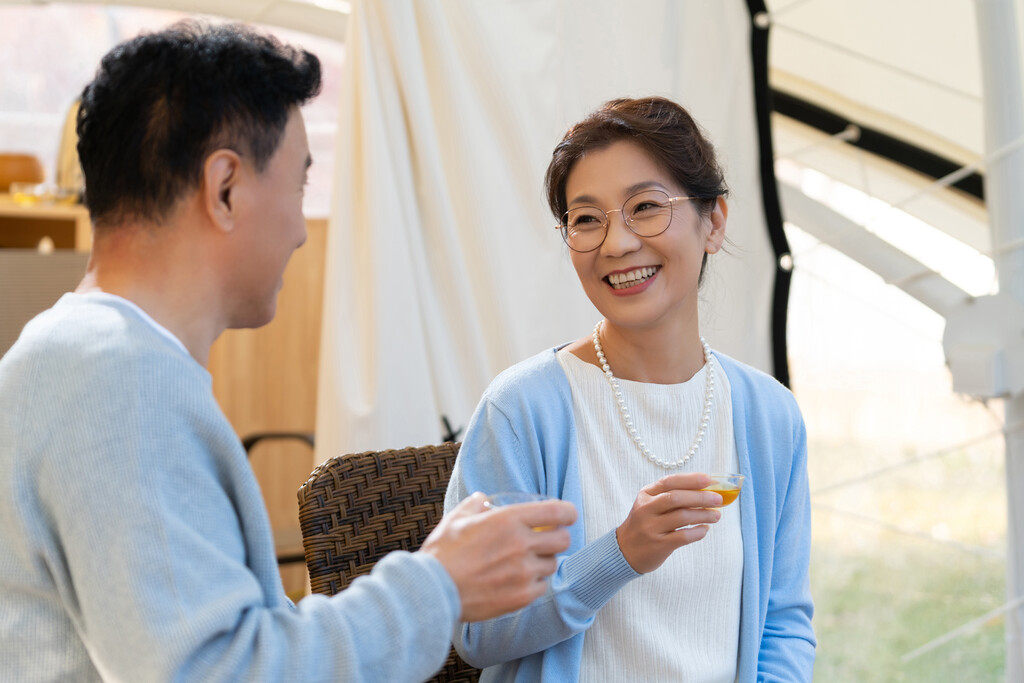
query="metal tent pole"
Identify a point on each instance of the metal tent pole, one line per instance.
(1004, 123)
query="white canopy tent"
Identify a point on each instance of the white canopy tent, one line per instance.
(444, 144)
(945, 80)
(461, 83)
(442, 269)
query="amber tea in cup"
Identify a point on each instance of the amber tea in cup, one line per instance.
(727, 485)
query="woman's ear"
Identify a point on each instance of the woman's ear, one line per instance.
(221, 175)
(719, 217)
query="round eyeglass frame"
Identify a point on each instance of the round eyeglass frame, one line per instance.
(563, 227)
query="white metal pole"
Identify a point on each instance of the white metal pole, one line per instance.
(1004, 123)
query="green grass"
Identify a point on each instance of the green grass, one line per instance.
(902, 559)
(878, 603)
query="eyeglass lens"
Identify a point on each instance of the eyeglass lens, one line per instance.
(646, 213)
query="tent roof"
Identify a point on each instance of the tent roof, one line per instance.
(326, 18)
(875, 63)
(882, 63)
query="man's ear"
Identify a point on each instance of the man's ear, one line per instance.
(719, 217)
(221, 175)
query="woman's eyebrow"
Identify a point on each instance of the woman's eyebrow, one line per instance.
(631, 190)
(644, 185)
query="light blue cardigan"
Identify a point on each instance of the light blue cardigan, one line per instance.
(523, 437)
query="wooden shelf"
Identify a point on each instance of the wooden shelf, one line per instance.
(21, 227)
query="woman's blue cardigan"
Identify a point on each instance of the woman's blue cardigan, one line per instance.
(522, 438)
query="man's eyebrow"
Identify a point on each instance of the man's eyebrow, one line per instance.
(309, 160)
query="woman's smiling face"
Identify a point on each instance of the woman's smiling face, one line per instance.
(640, 281)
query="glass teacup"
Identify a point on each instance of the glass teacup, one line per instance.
(497, 500)
(727, 485)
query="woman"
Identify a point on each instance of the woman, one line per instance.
(626, 421)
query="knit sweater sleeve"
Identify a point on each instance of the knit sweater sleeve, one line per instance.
(142, 514)
(521, 438)
(788, 643)
(154, 565)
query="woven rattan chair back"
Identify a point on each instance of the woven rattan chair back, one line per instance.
(355, 509)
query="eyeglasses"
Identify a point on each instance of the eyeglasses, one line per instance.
(647, 214)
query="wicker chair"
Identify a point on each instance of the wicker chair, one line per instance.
(354, 509)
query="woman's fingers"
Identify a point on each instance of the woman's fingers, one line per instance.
(688, 535)
(668, 514)
(682, 480)
(680, 491)
(668, 501)
(687, 517)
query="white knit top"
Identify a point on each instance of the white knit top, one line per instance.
(680, 622)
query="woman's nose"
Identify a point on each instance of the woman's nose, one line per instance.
(620, 239)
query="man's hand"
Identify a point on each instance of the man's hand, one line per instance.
(666, 515)
(496, 558)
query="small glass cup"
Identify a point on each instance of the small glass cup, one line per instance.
(498, 500)
(27, 194)
(32, 194)
(727, 485)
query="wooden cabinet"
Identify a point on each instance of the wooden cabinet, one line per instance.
(21, 227)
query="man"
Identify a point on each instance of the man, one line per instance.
(134, 544)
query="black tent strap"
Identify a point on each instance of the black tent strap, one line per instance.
(874, 141)
(769, 190)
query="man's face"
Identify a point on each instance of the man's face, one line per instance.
(271, 226)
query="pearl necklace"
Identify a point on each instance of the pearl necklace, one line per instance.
(709, 394)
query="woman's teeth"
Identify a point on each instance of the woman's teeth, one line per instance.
(631, 278)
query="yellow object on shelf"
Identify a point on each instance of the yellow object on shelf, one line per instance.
(33, 194)
(19, 168)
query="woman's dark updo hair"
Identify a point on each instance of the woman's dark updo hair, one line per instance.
(661, 127)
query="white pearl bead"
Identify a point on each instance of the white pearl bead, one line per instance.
(624, 411)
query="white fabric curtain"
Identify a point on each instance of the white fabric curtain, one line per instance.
(443, 267)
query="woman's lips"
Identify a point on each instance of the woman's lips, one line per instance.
(623, 280)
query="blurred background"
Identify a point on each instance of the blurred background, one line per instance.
(910, 553)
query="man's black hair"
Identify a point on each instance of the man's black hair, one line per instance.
(161, 103)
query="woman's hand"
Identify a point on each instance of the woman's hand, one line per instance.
(668, 514)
